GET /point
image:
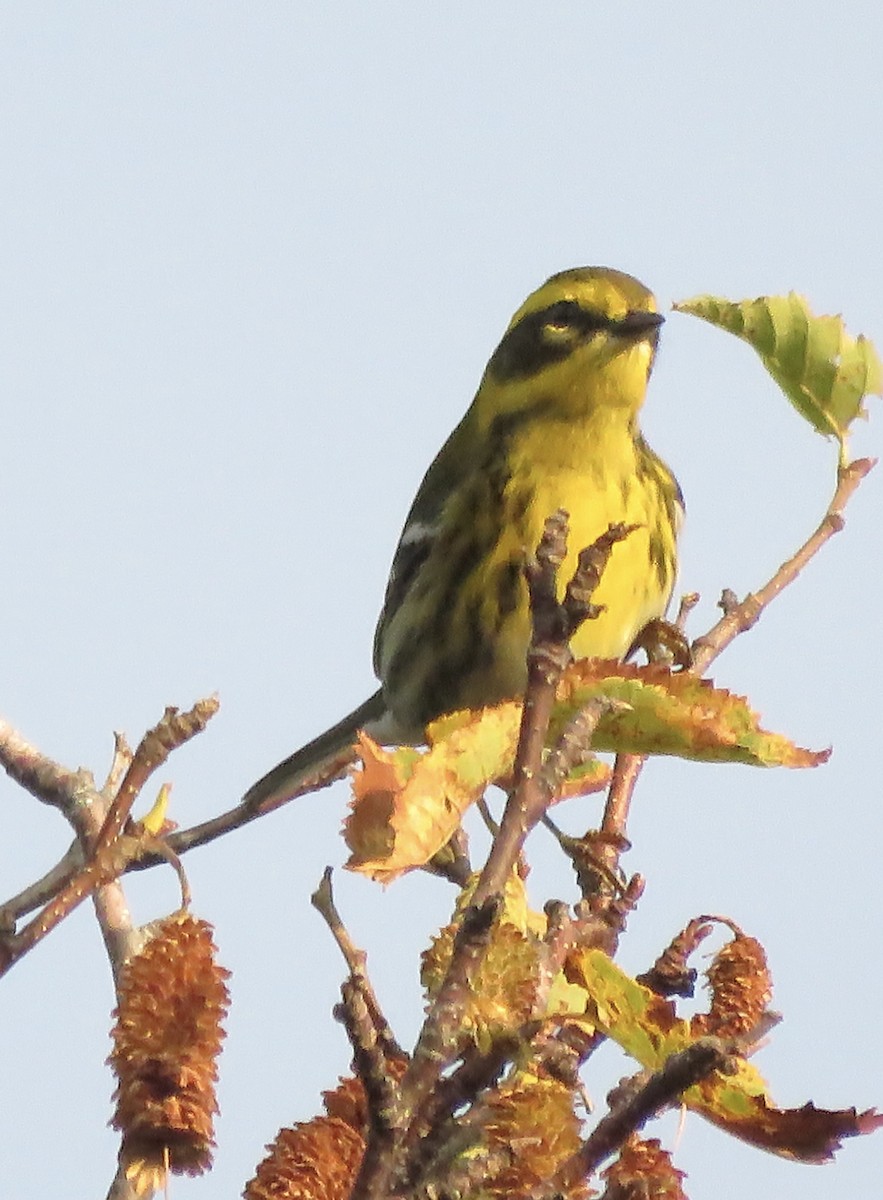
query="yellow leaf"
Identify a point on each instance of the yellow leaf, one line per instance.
(155, 819)
(408, 803)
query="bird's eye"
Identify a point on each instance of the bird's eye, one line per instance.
(562, 321)
(562, 315)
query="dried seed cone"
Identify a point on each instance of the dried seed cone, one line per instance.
(643, 1169)
(315, 1160)
(741, 989)
(167, 1036)
(348, 1101)
(670, 975)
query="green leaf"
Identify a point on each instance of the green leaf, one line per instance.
(823, 371)
(648, 1028)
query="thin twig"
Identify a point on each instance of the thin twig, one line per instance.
(173, 730)
(243, 814)
(557, 943)
(686, 605)
(98, 826)
(434, 1143)
(122, 757)
(83, 808)
(548, 656)
(374, 1046)
(626, 772)
(370, 1063)
(574, 745)
(44, 778)
(322, 900)
(747, 612)
(738, 617)
(41, 890)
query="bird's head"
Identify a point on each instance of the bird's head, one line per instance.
(585, 340)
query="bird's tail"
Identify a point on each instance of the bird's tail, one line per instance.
(295, 773)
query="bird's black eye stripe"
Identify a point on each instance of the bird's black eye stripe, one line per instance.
(535, 342)
(567, 313)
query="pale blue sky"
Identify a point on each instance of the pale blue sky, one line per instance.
(253, 259)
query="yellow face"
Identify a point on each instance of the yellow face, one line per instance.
(583, 341)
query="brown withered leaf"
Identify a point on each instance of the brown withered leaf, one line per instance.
(807, 1134)
(408, 803)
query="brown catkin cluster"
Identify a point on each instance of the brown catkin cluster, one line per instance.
(529, 1129)
(741, 989)
(318, 1159)
(670, 975)
(172, 999)
(643, 1170)
(314, 1160)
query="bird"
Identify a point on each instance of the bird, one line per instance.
(553, 425)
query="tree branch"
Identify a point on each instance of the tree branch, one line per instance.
(553, 625)
(322, 900)
(680, 1072)
(739, 616)
(745, 614)
(98, 824)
